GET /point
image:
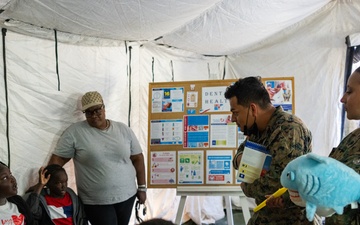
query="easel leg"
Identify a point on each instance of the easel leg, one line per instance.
(229, 214)
(180, 210)
(245, 208)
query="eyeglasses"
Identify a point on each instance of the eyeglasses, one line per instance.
(137, 208)
(97, 111)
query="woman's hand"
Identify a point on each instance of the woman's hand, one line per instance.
(141, 195)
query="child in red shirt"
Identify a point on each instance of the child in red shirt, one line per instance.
(52, 202)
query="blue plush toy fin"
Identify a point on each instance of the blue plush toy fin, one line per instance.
(317, 158)
(339, 210)
(310, 211)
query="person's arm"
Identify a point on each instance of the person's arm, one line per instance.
(55, 159)
(138, 162)
(237, 160)
(237, 157)
(33, 198)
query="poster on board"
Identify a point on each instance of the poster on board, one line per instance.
(213, 99)
(218, 167)
(163, 166)
(167, 100)
(196, 131)
(190, 167)
(222, 131)
(166, 132)
(281, 92)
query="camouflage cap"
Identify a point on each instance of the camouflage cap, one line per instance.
(91, 99)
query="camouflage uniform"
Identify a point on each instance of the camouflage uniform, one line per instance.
(347, 152)
(286, 138)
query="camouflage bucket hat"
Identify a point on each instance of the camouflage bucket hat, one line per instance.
(91, 99)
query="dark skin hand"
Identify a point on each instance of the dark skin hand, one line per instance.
(42, 180)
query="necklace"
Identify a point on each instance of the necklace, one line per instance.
(107, 125)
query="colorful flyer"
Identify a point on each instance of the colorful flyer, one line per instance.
(213, 99)
(219, 167)
(281, 92)
(190, 167)
(167, 100)
(166, 132)
(192, 99)
(196, 131)
(222, 131)
(163, 166)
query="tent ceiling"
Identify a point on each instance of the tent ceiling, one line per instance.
(213, 27)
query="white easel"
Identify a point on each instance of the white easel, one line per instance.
(225, 191)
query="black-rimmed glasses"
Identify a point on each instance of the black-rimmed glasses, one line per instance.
(97, 111)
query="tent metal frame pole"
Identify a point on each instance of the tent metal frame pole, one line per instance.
(3, 31)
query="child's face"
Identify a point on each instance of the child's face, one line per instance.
(8, 185)
(58, 184)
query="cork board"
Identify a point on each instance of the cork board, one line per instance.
(191, 139)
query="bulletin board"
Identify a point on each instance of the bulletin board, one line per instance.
(191, 139)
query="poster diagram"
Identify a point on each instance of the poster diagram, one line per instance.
(192, 99)
(163, 166)
(166, 132)
(219, 168)
(167, 100)
(213, 99)
(281, 93)
(223, 131)
(196, 131)
(190, 167)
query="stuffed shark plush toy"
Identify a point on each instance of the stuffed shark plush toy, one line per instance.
(323, 183)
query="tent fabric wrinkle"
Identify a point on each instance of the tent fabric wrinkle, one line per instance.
(120, 20)
(210, 27)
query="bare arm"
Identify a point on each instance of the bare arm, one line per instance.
(138, 162)
(58, 160)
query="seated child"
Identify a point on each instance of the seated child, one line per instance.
(13, 209)
(55, 203)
